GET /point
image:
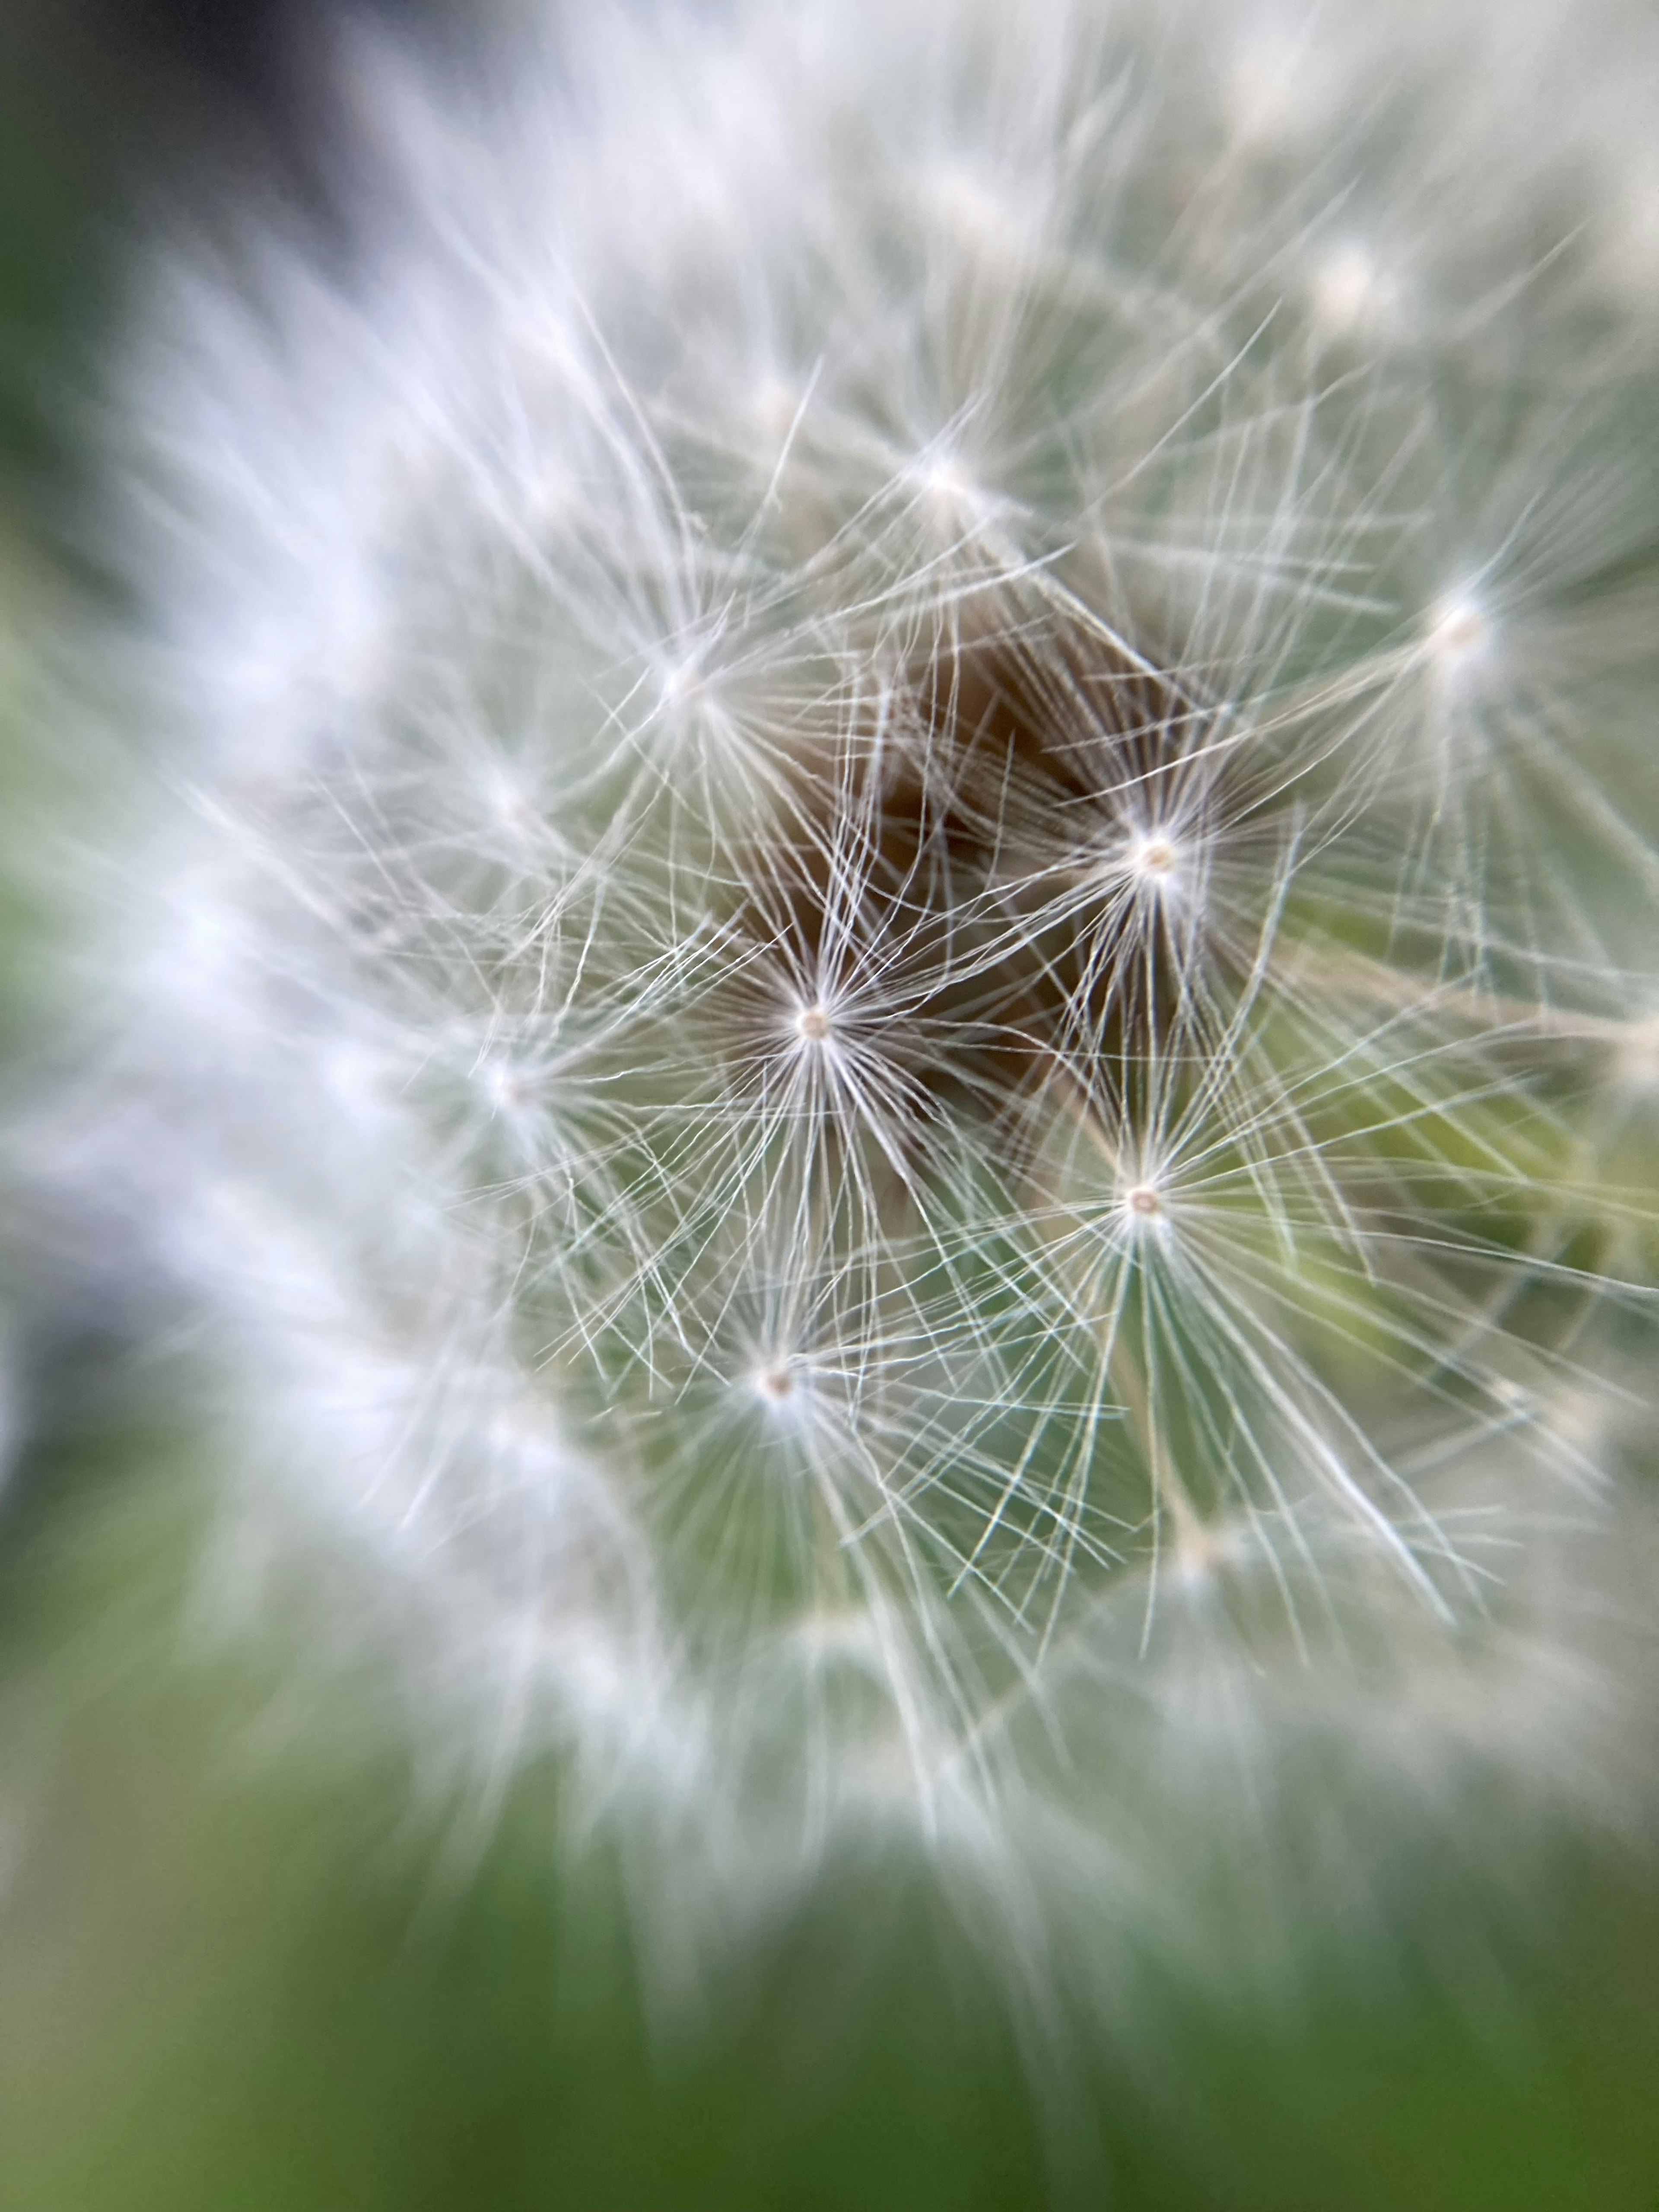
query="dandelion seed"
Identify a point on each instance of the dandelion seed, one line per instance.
(1154, 859)
(1636, 1058)
(1458, 636)
(1353, 293)
(776, 1384)
(506, 1088)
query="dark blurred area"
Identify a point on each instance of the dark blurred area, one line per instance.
(101, 101)
(249, 48)
(110, 110)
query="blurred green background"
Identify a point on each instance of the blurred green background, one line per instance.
(235, 1975)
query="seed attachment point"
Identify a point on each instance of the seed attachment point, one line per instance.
(1458, 635)
(1154, 857)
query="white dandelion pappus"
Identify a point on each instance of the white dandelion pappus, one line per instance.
(875, 748)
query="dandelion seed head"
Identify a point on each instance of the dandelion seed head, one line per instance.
(801, 841)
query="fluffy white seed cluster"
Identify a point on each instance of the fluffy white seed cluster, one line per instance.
(897, 1002)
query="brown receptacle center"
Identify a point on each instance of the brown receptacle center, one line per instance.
(979, 893)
